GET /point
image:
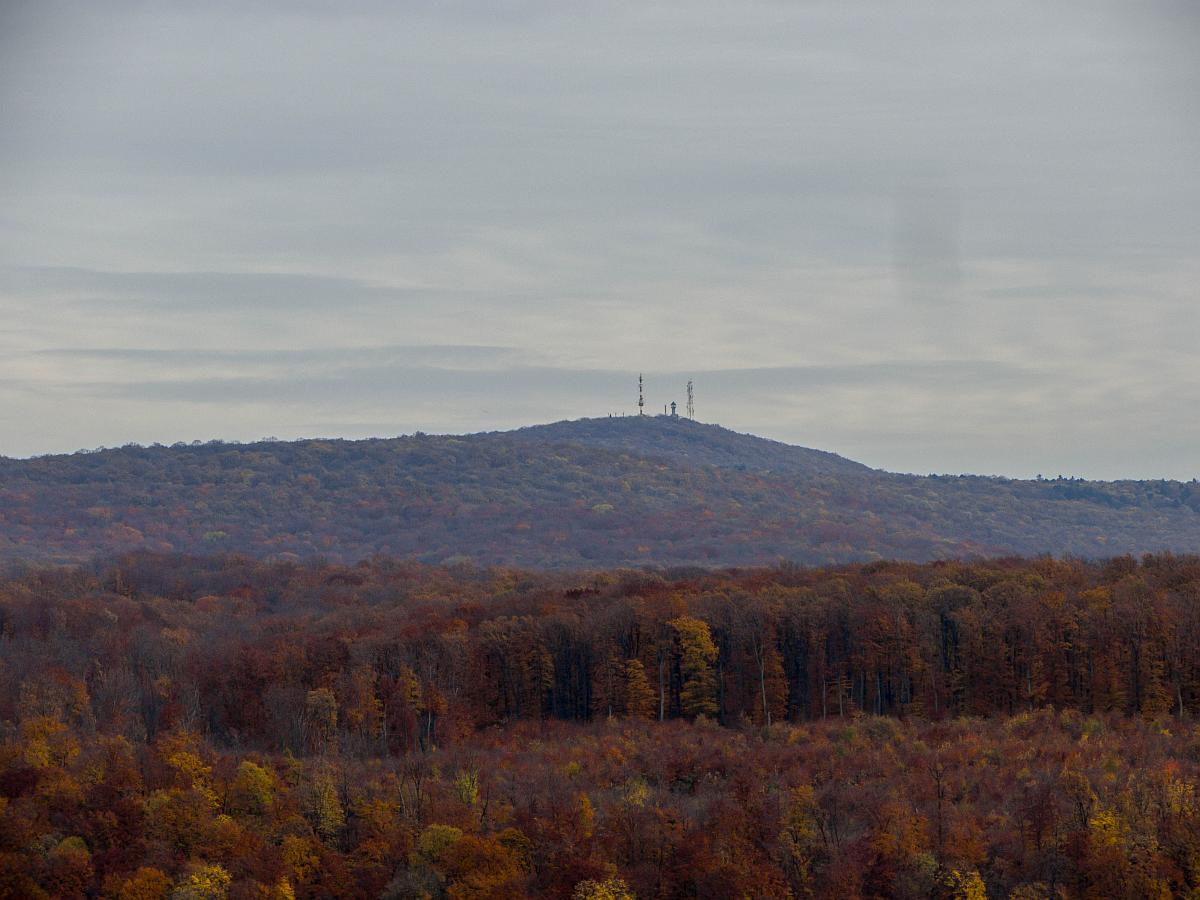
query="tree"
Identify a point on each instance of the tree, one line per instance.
(698, 653)
(639, 696)
(609, 889)
(320, 717)
(322, 804)
(252, 790)
(202, 882)
(69, 868)
(144, 884)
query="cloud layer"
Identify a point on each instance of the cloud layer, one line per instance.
(930, 237)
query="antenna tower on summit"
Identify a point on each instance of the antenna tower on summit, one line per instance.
(691, 405)
(641, 398)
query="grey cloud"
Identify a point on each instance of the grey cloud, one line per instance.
(945, 373)
(370, 380)
(200, 290)
(452, 355)
(933, 236)
(370, 383)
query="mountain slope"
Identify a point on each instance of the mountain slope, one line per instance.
(599, 492)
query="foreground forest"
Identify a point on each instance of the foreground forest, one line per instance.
(583, 494)
(220, 726)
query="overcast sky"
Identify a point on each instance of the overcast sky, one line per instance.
(931, 236)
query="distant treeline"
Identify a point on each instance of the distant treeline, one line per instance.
(391, 656)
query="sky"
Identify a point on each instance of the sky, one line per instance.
(930, 236)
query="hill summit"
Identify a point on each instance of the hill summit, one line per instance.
(625, 491)
(693, 443)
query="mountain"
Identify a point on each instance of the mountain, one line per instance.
(587, 493)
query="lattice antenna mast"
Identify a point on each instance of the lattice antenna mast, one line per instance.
(691, 406)
(641, 398)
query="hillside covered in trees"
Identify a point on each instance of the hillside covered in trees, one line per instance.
(595, 492)
(224, 727)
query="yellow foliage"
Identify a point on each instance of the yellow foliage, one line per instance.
(637, 792)
(1106, 828)
(37, 753)
(698, 696)
(73, 845)
(1178, 796)
(48, 742)
(902, 837)
(252, 789)
(179, 817)
(610, 889)
(323, 805)
(800, 828)
(180, 751)
(436, 840)
(466, 785)
(194, 774)
(202, 882)
(300, 856)
(967, 885)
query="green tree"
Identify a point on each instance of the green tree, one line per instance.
(252, 789)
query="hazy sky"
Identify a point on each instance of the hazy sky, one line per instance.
(931, 236)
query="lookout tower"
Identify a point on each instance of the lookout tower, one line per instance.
(674, 415)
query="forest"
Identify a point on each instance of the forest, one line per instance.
(592, 493)
(224, 726)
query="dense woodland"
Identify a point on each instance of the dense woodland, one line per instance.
(592, 493)
(221, 726)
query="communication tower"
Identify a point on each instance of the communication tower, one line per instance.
(691, 406)
(641, 398)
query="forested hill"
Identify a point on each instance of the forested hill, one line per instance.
(596, 492)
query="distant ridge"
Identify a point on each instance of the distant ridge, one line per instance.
(588, 493)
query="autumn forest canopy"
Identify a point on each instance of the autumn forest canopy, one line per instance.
(225, 726)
